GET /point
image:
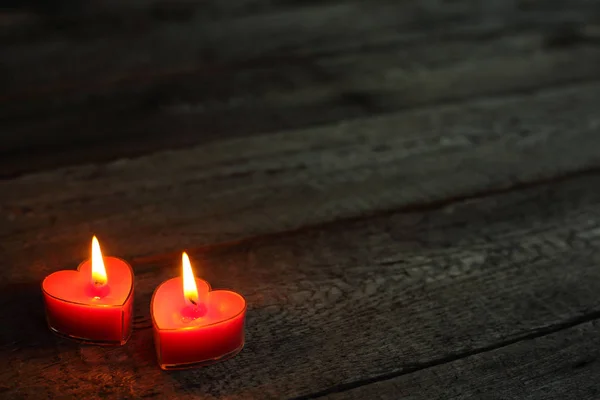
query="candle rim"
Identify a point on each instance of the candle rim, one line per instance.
(88, 304)
(210, 289)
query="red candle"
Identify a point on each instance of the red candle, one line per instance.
(194, 326)
(93, 304)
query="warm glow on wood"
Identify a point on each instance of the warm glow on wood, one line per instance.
(190, 291)
(98, 270)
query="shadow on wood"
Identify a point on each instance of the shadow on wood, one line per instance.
(23, 316)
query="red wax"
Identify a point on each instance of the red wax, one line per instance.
(187, 338)
(78, 309)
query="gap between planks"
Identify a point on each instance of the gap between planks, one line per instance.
(276, 272)
(559, 366)
(410, 208)
(411, 369)
(322, 89)
(350, 169)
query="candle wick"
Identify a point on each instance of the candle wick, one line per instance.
(192, 301)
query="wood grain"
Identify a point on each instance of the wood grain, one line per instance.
(404, 191)
(287, 92)
(69, 20)
(304, 33)
(265, 184)
(561, 366)
(340, 304)
(185, 83)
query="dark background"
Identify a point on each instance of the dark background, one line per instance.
(405, 192)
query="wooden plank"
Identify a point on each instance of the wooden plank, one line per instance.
(178, 44)
(385, 79)
(100, 18)
(305, 32)
(264, 184)
(74, 95)
(561, 366)
(339, 304)
(190, 109)
(80, 134)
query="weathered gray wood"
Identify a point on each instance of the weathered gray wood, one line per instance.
(343, 85)
(129, 122)
(339, 304)
(68, 20)
(271, 37)
(561, 366)
(264, 184)
(401, 298)
(139, 93)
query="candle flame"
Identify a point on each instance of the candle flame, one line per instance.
(98, 270)
(190, 290)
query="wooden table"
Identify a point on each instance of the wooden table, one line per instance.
(406, 192)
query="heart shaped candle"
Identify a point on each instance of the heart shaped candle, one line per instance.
(194, 326)
(93, 304)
